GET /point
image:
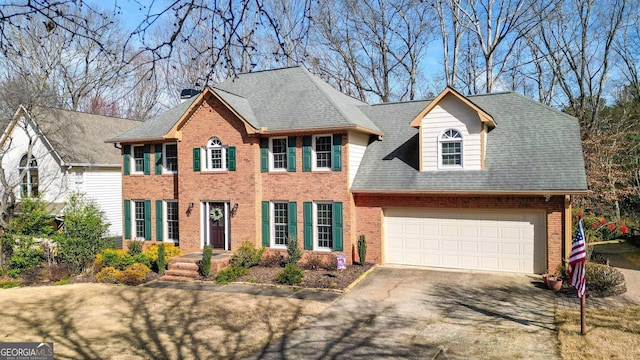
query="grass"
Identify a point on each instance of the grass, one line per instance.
(612, 333)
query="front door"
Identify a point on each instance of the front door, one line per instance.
(217, 225)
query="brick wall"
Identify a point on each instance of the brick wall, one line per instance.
(369, 216)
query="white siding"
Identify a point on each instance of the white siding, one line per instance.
(357, 145)
(52, 182)
(451, 113)
(105, 187)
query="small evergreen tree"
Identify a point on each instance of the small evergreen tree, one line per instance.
(205, 264)
(362, 249)
(162, 260)
(293, 250)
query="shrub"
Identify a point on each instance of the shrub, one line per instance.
(76, 252)
(247, 255)
(230, 273)
(108, 275)
(119, 259)
(170, 251)
(7, 284)
(604, 280)
(142, 259)
(32, 219)
(331, 264)
(205, 264)
(293, 250)
(162, 260)
(133, 275)
(57, 272)
(290, 275)
(272, 259)
(362, 249)
(26, 256)
(135, 247)
(313, 262)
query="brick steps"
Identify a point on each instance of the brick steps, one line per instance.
(185, 269)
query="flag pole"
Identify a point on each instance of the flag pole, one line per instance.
(583, 314)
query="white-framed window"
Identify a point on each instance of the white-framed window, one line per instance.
(138, 220)
(170, 158)
(171, 221)
(28, 169)
(215, 155)
(323, 225)
(79, 180)
(278, 154)
(450, 149)
(279, 221)
(138, 159)
(322, 152)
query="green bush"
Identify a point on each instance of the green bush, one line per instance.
(108, 275)
(116, 258)
(133, 275)
(290, 275)
(142, 259)
(293, 250)
(26, 256)
(272, 259)
(170, 250)
(230, 273)
(362, 249)
(205, 264)
(7, 284)
(33, 219)
(604, 280)
(135, 247)
(247, 255)
(162, 260)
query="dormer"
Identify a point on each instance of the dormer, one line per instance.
(452, 133)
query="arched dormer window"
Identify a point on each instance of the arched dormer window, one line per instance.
(450, 146)
(28, 170)
(216, 158)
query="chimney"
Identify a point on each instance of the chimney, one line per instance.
(187, 94)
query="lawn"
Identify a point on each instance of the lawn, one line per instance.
(612, 333)
(104, 321)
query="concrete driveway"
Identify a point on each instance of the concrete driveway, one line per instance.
(429, 314)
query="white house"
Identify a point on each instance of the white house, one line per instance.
(53, 153)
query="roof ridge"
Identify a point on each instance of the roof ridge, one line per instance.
(263, 70)
(79, 112)
(227, 91)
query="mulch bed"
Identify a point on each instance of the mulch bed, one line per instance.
(315, 279)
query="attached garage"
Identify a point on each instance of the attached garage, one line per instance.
(494, 240)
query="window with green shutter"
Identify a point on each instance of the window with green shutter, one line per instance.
(264, 155)
(293, 218)
(159, 220)
(126, 162)
(266, 230)
(306, 153)
(337, 226)
(231, 158)
(147, 219)
(307, 213)
(147, 160)
(158, 159)
(336, 153)
(127, 219)
(291, 154)
(196, 159)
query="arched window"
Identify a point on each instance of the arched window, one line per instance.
(28, 170)
(216, 158)
(450, 143)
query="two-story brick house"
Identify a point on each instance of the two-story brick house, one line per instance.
(479, 182)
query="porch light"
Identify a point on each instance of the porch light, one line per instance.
(234, 209)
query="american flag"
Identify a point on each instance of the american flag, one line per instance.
(577, 259)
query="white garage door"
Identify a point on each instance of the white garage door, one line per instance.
(509, 240)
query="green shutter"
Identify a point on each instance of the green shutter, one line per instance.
(306, 153)
(231, 158)
(266, 231)
(196, 159)
(126, 163)
(127, 219)
(158, 159)
(291, 154)
(307, 209)
(336, 153)
(147, 160)
(264, 155)
(147, 219)
(337, 226)
(159, 220)
(292, 212)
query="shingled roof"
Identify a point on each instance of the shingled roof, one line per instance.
(78, 138)
(534, 148)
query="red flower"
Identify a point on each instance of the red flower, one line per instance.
(612, 227)
(603, 221)
(624, 229)
(580, 212)
(594, 225)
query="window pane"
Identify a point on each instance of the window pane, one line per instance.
(138, 157)
(172, 220)
(171, 157)
(279, 150)
(280, 216)
(139, 219)
(324, 222)
(216, 158)
(323, 151)
(451, 153)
